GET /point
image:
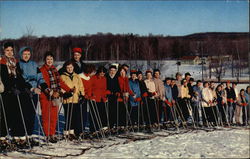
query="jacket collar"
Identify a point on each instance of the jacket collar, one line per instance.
(83, 76)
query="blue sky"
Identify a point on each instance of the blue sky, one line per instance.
(56, 18)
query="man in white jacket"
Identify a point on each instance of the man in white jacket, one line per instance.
(207, 101)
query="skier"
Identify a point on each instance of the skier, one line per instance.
(15, 98)
(114, 88)
(197, 97)
(207, 101)
(85, 76)
(241, 108)
(168, 113)
(32, 74)
(151, 98)
(231, 98)
(50, 99)
(72, 111)
(184, 100)
(160, 91)
(99, 94)
(135, 99)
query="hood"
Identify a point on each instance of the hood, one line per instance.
(24, 48)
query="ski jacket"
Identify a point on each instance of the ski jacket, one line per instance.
(197, 91)
(135, 89)
(73, 81)
(44, 69)
(160, 89)
(168, 93)
(184, 92)
(207, 97)
(143, 87)
(12, 83)
(230, 94)
(175, 92)
(99, 88)
(87, 84)
(124, 86)
(113, 84)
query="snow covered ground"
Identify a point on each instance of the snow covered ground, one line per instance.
(222, 143)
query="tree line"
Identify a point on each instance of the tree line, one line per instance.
(108, 46)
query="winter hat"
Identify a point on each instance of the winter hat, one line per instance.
(25, 48)
(77, 49)
(133, 72)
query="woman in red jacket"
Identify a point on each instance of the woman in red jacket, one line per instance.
(49, 99)
(124, 95)
(88, 72)
(99, 92)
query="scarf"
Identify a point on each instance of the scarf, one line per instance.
(54, 78)
(11, 65)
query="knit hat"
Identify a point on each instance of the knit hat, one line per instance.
(23, 49)
(133, 72)
(77, 49)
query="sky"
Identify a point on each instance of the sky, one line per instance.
(174, 18)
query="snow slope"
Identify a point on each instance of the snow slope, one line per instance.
(223, 143)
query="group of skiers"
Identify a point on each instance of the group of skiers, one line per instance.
(105, 100)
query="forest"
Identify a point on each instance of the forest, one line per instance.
(107, 46)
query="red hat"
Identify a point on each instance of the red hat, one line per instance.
(77, 49)
(133, 72)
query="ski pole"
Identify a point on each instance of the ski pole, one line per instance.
(98, 117)
(5, 118)
(129, 118)
(92, 118)
(25, 128)
(149, 120)
(190, 111)
(97, 120)
(157, 112)
(107, 114)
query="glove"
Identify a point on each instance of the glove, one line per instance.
(107, 92)
(81, 99)
(119, 99)
(67, 95)
(55, 95)
(145, 94)
(118, 94)
(138, 99)
(73, 90)
(36, 91)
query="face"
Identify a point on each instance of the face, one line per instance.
(112, 71)
(77, 56)
(149, 76)
(70, 68)
(122, 73)
(168, 82)
(157, 74)
(49, 61)
(212, 85)
(140, 77)
(101, 74)
(188, 77)
(133, 76)
(185, 83)
(228, 84)
(206, 85)
(178, 77)
(219, 88)
(9, 52)
(26, 55)
(173, 82)
(199, 84)
(242, 93)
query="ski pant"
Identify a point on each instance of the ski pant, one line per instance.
(240, 109)
(49, 115)
(197, 111)
(209, 114)
(13, 113)
(85, 113)
(230, 111)
(112, 108)
(184, 108)
(134, 115)
(102, 111)
(152, 110)
(72, 115)
(145, 110)
(122, 114)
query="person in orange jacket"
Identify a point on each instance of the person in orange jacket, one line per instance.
(99, 93)
(50, 98)
(88, 72)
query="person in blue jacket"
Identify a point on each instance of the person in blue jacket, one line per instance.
(134, 99)
(168, 100)
(32, 75)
